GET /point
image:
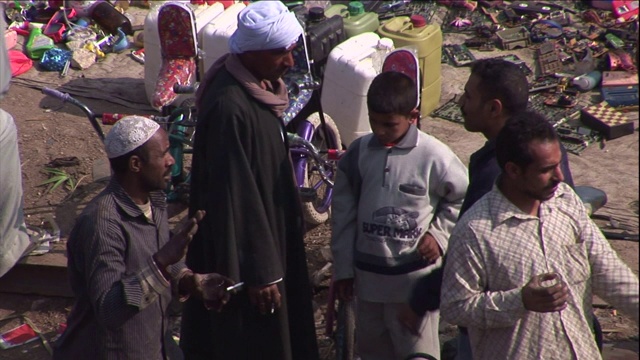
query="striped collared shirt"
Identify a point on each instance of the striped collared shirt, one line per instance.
(494, 251)
(121, 296)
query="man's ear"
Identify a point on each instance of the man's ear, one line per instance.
(495, 107)
(135, 163)
(512, 170)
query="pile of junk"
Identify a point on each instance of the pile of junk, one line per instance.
(582, 50)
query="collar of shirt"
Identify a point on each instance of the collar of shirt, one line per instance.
(409, 140)
(502, 209)
(124, 201)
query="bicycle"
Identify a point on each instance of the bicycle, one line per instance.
(180, 126)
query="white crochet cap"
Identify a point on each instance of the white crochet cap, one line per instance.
(128, 134)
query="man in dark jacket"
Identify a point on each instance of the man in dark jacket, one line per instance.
(496, 90)
(242, 177)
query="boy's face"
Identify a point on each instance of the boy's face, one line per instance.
(390, 128)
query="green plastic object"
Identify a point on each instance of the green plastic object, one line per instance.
(38, 43)
(356, 8)
(357, 21)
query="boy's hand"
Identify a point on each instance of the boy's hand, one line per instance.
(344, 289)
(429, 249)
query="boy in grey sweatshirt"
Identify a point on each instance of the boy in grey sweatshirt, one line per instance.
(397, 196)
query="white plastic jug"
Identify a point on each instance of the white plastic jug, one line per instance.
(347, 76)
(216, 35)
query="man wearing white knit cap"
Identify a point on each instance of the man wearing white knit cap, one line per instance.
(123, 263)
(242, 176)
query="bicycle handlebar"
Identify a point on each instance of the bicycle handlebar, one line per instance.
(184, 89)
(295, 139)
(56, 94)
(67, 98)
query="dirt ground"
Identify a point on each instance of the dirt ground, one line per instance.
(50, 130)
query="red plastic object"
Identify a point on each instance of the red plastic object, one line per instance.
(19, 62)
(227, 3)
(56, 27)
(418, 21)
(625, 9)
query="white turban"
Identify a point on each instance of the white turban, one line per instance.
(127, 134)
(265, 25)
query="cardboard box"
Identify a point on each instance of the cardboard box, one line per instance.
(619, 78)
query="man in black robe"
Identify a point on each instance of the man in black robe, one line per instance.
(242, 176)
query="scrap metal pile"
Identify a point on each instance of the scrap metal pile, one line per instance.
(585, 54)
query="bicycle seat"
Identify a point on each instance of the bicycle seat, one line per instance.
(405, 61)
(176, 26)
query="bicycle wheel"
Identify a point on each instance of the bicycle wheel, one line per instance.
(317, 211)
(345, 335)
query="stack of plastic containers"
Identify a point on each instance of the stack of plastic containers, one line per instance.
(356, 20)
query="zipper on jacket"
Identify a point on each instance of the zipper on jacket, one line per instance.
(386, 169)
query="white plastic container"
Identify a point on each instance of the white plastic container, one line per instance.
(152, 55)
(347, 77)
(216, 34)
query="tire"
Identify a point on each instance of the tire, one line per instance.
(345, 336)
(317, 212)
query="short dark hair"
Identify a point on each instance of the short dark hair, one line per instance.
(120, 164)
(512, 143)
(502, 80)
(392, 92)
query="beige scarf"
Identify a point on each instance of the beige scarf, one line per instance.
(275, 95)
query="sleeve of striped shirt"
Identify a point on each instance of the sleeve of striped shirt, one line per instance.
(464, 301)
(116, 293)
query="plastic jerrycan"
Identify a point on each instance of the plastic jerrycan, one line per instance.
(216, 34)
(153, 58)
(414, 31)
(347, 76)
(356, 20)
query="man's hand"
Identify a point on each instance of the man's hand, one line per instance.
(176, 248)
(344, 289)
(538, 298)
(409, 319)
(212, 289)
(429, 249)
(265, 298)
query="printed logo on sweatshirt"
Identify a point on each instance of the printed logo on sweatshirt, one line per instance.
(393, 222)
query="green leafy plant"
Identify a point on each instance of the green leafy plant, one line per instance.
(58, 177)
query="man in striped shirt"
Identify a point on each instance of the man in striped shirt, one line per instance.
(123, 261)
